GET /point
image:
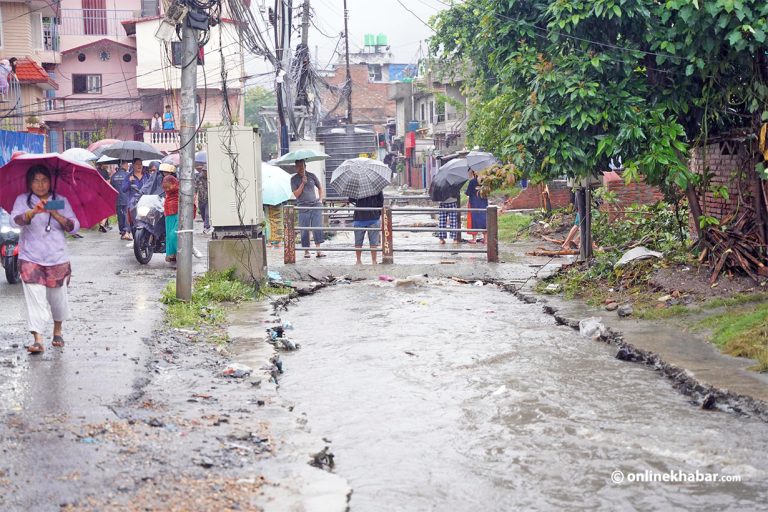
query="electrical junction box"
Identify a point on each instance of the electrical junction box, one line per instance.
(234, 180)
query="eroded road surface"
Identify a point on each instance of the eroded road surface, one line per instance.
(460, 397)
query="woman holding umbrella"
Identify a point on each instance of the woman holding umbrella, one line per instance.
(44, 217)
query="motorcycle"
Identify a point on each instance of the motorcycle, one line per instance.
(9, 248)
(148, 228)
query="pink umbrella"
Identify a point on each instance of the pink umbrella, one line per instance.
(92, 198)
(101, 143)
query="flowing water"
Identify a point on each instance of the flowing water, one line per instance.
(462, 398)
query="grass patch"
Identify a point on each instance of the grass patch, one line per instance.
(742, 333)
(209, 292)
(736, 300)
(513, 226)
(663, 313)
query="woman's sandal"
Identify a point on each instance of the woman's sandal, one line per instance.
(58, 341)
(35, 348)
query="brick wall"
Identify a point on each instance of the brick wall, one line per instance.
(370, 100)
(723, 161)
(628, 194)
(530, 198)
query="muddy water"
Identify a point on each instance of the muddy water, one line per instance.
(462, 398)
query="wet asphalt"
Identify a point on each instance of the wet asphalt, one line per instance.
(114, 307)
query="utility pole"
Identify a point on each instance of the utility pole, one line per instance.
(278, 24)
(349, 76)
(305, 24)
(187, 160)
(302, 52)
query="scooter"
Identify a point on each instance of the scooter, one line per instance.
(148, 228)
(9, 248)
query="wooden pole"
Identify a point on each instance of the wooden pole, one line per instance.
(492, 233)
(289, 235)
(387, 249)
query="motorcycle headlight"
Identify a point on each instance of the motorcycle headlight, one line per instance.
(5, 229)
(142, 211)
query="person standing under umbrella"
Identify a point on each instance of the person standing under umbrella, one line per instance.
(476, 201)
(448, 219)
(303, 185)
(43, 259)
(370, 220)
(117, 179)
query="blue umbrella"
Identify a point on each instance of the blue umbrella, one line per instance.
(275, 185)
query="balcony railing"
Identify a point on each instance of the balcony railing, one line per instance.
(169, 140)
(11, 106)
(94, 22)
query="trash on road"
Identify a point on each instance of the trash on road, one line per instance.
(592, 327)
(237, 371)
(636, 254)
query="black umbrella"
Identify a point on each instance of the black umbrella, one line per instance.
(449, 179)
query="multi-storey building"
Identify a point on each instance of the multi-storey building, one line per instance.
(28, 41)
(107, 74)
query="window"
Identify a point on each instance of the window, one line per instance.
(79, 138)
(150, 8)
(1, 28)
(374, 72)
(36, 27)
(423, 112)
(177, 51)
(95, 17)
(432, 111)
(50, 34)
(86, 84)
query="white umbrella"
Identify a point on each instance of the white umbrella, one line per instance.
(79, 155)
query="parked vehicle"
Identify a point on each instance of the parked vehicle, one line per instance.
(9, 247)
(148, 228)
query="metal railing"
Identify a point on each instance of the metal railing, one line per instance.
(165, 138)
(94, 22)
(12, 106)
(388, 247)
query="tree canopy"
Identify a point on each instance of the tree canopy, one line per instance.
(558, 87)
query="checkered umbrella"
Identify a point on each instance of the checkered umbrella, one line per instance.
(357, 178)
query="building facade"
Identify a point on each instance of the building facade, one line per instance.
(94, 69)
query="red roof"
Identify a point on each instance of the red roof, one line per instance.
(30, 72)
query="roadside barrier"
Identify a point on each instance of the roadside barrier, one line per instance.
(388, 247)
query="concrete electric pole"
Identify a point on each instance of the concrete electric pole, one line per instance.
(187, 160)
(349, 76)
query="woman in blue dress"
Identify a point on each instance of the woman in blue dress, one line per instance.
(476, 201)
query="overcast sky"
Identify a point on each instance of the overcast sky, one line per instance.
(402, 28)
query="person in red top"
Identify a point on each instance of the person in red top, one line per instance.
(171, 208)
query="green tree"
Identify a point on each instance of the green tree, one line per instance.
(255, 99)
(558, 87)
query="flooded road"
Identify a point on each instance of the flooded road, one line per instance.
(462, 398)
